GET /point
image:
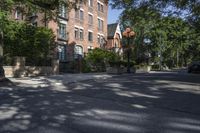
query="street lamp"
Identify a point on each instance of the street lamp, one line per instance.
(128, 34)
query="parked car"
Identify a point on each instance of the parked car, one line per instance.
(194, 67)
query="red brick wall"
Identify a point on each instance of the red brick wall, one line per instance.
(84, 24)
(72, 22)
(111, 41)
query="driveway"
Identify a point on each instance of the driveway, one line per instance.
(137, 103)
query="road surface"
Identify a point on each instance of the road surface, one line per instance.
(165, 102)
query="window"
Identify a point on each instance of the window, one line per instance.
(76, 35)
(77, 14)
(98, 39)
(81, 2)
(79, 50)
(101, 40)
(90, 19)
(90, 3)
(90, 36)
(63, 11)
(100, 7)
(62, 31)
(100, 24)
(18, 14)
(62, 52)
(81, 34)
(81, 15)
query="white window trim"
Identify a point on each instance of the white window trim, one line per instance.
(81, 9)
(100, 18)
(90, 31)
(90, 47)
(90, 13)
(81, 46)
(63, 22)
(100, 2)
(100, 34)
(79, 27)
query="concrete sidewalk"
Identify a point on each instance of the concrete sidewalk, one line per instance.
(57, 80)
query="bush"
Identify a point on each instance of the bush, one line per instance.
(28, 41)
(86, 67)
(155, 67)
(99, 58)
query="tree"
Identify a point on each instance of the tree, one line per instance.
(5, 6)
(28, 41)
(49, 7)
(172, 32)
(98, 58)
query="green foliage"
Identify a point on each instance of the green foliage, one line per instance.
(174, 38)
(28, 41)
(86, 67)
(98, 58)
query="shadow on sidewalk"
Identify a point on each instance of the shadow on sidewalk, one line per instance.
(125, 104)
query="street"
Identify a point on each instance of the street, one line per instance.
(162, 102)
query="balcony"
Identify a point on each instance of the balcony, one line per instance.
(64, 16)
(63, 37)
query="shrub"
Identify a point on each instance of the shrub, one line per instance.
(98, 58)
(28, 41)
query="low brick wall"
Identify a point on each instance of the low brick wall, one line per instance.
(20, 70)
(12, 71)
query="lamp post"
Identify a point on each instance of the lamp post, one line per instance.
(128, 34)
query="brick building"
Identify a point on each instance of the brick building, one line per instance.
(77, 31)
(87, 27)
(114, 38)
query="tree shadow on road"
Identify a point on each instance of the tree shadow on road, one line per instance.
(124, 104)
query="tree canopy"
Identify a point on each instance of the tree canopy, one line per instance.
(166, 29)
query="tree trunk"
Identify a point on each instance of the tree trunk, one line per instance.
(2, 73)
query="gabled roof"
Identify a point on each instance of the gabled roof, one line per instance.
(112, 29)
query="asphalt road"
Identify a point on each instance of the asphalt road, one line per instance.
(136, 103)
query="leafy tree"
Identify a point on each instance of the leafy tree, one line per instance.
(5, 6)
(28, 41)
(48, 7)
(98, 58)
(171, 28)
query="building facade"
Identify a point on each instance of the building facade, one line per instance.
(77, 31)
(114, 38)
(86, 29)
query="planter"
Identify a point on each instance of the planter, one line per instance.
(114, 70)
(143, 69)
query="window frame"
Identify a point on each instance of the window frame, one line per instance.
(81, 34)
(100, 24)
(90, 3)
(62, 31)
(62, 52)
(90, 18)
(100, 7)
(63, 10)
(90, 36)
(76, 33)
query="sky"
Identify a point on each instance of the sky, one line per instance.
(113, 15)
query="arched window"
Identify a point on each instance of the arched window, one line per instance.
(62, 52)
(78, 51)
